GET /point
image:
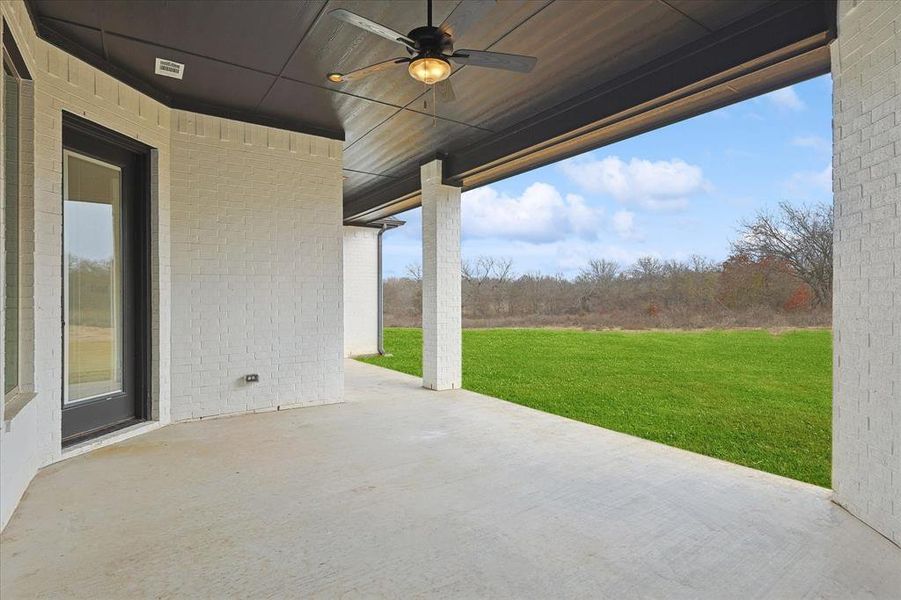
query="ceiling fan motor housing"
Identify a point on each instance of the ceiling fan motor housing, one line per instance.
(430, 41)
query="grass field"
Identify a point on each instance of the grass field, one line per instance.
(747, 396)
(90, 354)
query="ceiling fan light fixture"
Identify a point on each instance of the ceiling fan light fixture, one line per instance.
(429, 69)
(335, 77)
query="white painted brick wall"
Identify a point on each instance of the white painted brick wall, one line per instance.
(442, 352)
(866, 67)
(256, 265)
(273, 198)
(361, 281)
(61, 82)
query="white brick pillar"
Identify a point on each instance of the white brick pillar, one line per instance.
(442, 352)
(866, 422)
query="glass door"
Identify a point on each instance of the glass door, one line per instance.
(105, 285)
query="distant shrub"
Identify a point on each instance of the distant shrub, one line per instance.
(695, 294)
(801, 299)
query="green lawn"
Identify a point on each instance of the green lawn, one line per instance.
(750, 397)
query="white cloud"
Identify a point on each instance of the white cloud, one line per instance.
(807, 184)
(540, 214)
(623, 223)
(815, 142)
(786, 99)
(565, 256)
(658, 185)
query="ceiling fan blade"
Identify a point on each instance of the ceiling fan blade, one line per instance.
(372, 27)
(464, 15)
(494, 60)
(365, 71)
(445, 91)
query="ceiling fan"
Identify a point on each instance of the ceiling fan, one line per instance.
(431, 52)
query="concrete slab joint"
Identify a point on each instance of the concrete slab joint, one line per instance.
(442, 352)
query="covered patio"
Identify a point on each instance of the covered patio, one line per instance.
(401, 492)
(245, 175)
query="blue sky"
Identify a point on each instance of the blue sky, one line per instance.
(669, 193)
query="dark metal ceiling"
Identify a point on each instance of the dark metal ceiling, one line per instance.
(265, 62)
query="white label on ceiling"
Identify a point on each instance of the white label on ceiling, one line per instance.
(169, 68)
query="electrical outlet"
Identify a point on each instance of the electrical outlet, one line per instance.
(252, 378)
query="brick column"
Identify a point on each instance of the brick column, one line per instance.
(866, 71)
(441, 320)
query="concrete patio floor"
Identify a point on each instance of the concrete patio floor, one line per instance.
(403, 492)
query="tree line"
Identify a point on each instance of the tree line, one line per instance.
(778, 273)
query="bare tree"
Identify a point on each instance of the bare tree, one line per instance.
(647, 267)
(414, 274)
(599, 270)
(742, 291)
(414, 271)
(482, 278)
(799, 236)
(486, 268)
(701, 264)
(594, 280)
(779, 274)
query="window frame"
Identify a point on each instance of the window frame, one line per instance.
(9, 69)
(19, 395)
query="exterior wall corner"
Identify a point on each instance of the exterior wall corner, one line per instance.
(361, 284)
(866, 69)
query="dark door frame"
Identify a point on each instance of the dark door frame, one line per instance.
(89, 139)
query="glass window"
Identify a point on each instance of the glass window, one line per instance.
(11, 224)
(93, 277)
